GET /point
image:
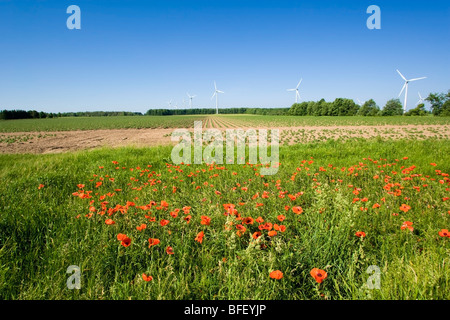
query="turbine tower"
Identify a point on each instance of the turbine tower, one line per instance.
(190, 99)
(297, 95)
(216, 92)
(405, 87)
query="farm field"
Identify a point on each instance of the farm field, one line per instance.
(221, 121)
(46, 136)
(224, 231)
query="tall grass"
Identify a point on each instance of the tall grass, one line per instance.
(43, 231)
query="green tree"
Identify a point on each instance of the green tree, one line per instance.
(369, 108)
(437, 101)
(392, 108)
(417, 111)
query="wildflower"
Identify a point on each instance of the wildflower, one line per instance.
(407, 225)
(248, 220)
(200, 236)
(164, 222)
(256, 235)
(277, 274)
(272, 233)
(109, 221)
(297, 210)
(360, 234)
(126, 241)
(147, 278)
(169, 250)
(281, 218)
(260, 220)
(141, 227)
(205, 220)
(121, 236)
(405, 208)
(444, 233)
(153, 242)
(318, 274)
(281, 228)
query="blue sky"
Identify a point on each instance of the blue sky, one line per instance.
(137, 55)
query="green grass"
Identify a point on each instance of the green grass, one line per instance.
(138, 122)
(44, 231)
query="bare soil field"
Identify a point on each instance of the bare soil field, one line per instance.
(64, 141)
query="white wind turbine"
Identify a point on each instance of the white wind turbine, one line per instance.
(170, 104)
(190, 99)
(405, 86)
(216, 91)
(297, 95)
(360, 102)
(421, 99)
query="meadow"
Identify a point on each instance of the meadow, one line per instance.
(140, 227)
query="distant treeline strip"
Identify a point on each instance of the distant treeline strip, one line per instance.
(440, 106)
(260, 111)
(33, 114)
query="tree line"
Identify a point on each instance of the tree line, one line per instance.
(33, 114)
(440, 106)
(260, 111)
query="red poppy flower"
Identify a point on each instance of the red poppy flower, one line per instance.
(153, 242)
(267, 226)
(205, 220)
(360, 234)
(200, 236)
(169, 250)
(147, 278)
(277, 274)
(297, 210)
(260, 220)
(318, 274)
(405, 208)
(281, 228)
(444, 233)
(109, 221)
(121, 236)
(407, 225)
(126, 242)
(256, 235)
(164, 222)
(248, 220)
(141, 227)
(281, 218)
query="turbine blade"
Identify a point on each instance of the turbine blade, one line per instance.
(213, 95)
(404, 86)
(220, 91)
(215, 87)
(417, 79)
(401, 75)
(299, 83)
(291, 89)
